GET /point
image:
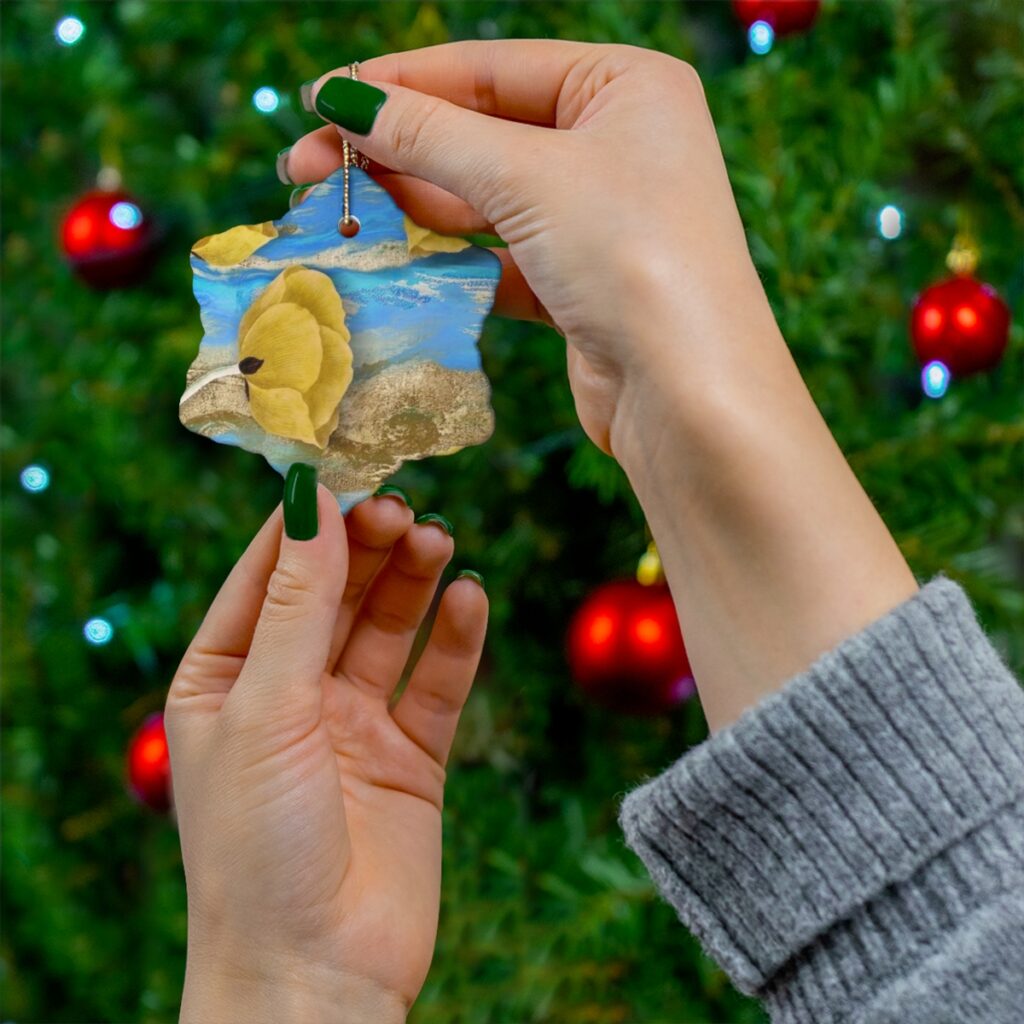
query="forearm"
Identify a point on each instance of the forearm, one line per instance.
(772, 549)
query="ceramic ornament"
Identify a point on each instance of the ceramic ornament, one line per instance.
(350, 354)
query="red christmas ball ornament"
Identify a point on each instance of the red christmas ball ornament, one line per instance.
(149, 764)
(962, 323)
(626, 650)
(784, 16)
(107, 239)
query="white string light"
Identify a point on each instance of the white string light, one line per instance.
(761, 37)
(69, 30)
(98, 631)
(125, 215)
(266, 100)
(890, 222)
(35, 479)
(935, 378)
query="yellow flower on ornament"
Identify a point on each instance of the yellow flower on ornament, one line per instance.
(235, 245)
(422, 241)
(293, 349)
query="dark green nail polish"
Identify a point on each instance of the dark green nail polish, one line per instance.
(471, 574)
(354, 105)
(390, 490)
(296, 194)
(281, 164)
(301, 521)
(306, 95)
(439, 520)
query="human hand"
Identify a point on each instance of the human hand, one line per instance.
(621, 226)
(309, 809)
(601, 169)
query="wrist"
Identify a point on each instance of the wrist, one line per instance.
(269, 989)
(700, 338)
(772, 549)
(703, 383)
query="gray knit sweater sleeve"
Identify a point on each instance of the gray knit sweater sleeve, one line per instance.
(852, 849)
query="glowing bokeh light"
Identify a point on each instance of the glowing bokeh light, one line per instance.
(683, 688)
(931, 319)
(935, 379)
(152, 750)
(266, 100)
(890, 222)
(125, 216)
(98, 632)
(966, 317)
(69, 31)
(648, 630)
(149, 764)
(601, 629)
(761, 37)
(35, 479)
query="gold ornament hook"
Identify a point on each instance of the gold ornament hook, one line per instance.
(648, 569)
(964, 254)
(350, 157)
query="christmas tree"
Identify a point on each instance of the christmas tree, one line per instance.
(857, 149)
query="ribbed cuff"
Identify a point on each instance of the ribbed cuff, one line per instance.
(838, 798)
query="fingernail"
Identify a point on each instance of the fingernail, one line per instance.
(296, 195)
(391, 491)
(471, 574)
(306, 95)
(352, 104)
(281, 164)
(301, 521)
(438, 520)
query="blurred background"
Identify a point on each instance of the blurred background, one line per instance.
(863, 140)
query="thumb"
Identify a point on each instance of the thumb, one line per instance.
(292, 639)
(466, 153)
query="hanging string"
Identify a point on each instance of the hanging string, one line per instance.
(350, 157)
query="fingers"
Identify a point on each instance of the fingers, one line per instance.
(428, 711)
(463, 152)
(432, 207)
(292, 638)
(514, 297)
(318, 155)
(373, 527)
(214, 657)
(382, 635)
(520, 79)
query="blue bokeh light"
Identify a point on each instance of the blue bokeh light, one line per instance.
(266, 100)
(125, 215)
(35, 479)
(935, 378)
(69, 31)
(890, 222)
(98, 632)
(761, 37)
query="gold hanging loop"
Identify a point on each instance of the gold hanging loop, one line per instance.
(964, 253)
(648, 569)
(350, 157)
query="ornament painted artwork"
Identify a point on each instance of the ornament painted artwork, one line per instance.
(350, 354)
